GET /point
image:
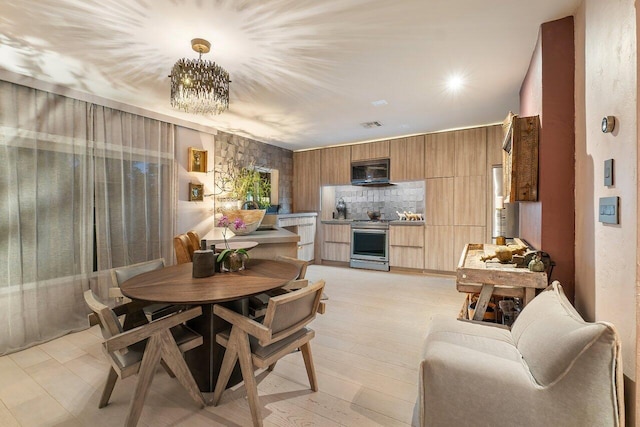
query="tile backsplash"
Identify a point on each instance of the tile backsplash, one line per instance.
(404, 196)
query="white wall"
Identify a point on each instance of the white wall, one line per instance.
(193, 215)
(606, 254)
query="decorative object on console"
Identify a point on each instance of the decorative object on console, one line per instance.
(197, 160)
(373, 215)
(199, 86)
(196, 192)
(341, 207)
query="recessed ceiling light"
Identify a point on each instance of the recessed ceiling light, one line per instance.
(379, 103)
(455, 82)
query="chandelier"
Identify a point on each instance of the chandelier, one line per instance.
(199, 86)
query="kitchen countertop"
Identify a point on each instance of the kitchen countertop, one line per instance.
(395, 222)
(297, 215)
(277, 235)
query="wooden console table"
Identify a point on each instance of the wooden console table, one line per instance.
(492, 277)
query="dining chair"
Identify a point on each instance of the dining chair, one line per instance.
(258, 303)
(194, 240)
(139, 350)
(120, 275)
(260, 345)
(182, 247)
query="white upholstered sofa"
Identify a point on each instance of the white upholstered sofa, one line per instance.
(551, 369)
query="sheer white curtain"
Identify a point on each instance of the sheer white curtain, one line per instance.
(46, 218)
(83, 188)
(134, 182)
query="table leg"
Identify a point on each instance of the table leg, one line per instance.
(529, 295)
(205, 361)
(483, 301)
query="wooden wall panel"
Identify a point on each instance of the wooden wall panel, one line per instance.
(439, 151)
(470, 201)
(471, 152)
(439, 248)
(306, 179)
(335, 166)
(439, 201)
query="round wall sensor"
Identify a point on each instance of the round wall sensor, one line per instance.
(608, 123)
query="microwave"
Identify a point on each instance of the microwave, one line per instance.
(370, 172)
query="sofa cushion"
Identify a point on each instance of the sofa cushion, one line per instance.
(550, 335)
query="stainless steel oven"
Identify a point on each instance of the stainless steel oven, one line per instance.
(370, 245)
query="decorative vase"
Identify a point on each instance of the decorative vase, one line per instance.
(233, 262)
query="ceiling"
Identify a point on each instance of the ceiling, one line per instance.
(304, 72)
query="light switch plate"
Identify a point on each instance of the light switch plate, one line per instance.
(608, 172)
(608, 210)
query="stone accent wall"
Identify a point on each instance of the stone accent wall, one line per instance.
(247, 151)
(404, 196)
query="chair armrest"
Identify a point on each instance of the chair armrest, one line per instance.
(250, 326)
(129, 307)
(143, 332)
(115, 293)
(490, 324)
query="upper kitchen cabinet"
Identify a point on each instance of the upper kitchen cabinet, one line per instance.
(471, 152)
(407, 158)
(335, 166)
(370, 150)
(439, 155)
(306, 181)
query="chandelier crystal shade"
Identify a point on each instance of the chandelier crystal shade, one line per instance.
(199, 86)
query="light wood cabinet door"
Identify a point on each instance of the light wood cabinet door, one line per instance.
(495, 138)
(406, 235)
(335, 166)
(336, 242)
(439, 198)
(439, 151)
(439, 254)
(471, 152)
(470, 199)
(306, 181)
(336, 233)
(406, 257)
(407, 158)
(370, 150)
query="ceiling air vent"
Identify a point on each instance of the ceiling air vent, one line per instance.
(369, 125)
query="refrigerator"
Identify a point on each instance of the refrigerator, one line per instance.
(506, 222)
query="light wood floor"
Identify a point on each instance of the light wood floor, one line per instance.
(366, 354)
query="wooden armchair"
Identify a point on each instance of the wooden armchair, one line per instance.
(182, 247)
(121, 274)
(282, 331)
(258, 303)
(138, 351)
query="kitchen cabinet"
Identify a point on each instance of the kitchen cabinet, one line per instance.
(306, 178)
(464, 235)
(471, 152)
(370, 150)
(406, 246)
(439, 201)
(407, 158)
(439, 151)
(305, 227)
(335, 166)
(469, 206)
(439, 251)
(336, 242)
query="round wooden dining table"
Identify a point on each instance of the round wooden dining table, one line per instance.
(176, 285)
